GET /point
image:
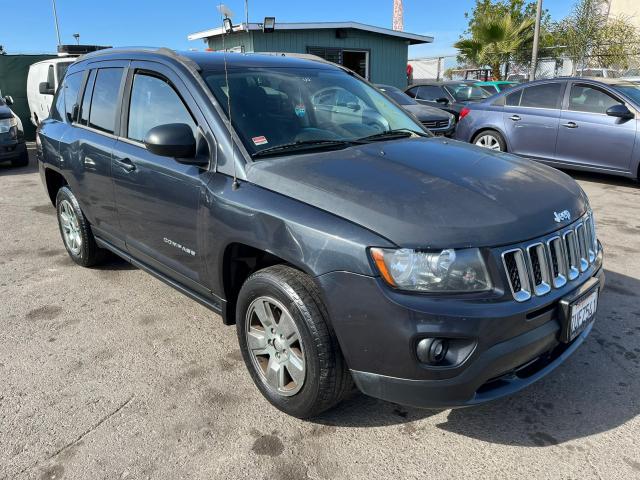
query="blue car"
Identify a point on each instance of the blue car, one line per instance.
(574, 123)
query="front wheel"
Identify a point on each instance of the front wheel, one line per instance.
(491, 140)
(287, 344)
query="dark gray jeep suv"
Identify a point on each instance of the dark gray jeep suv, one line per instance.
(344, 241)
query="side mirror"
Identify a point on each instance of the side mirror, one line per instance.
(442, 100)
(172, 140)
(620, 111)
(45, 89)
(8, 100)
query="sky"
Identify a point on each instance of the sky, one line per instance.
(165, 23)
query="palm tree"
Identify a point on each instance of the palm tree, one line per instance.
(494, 40)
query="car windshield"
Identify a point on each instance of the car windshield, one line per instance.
(464, 92)
(273, 107)
(399, 96)
(631, 90)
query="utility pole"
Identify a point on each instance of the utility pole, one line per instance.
(55, 19)
(536, 42)
(246, 12)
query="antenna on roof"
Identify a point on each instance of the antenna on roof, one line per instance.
(228, 28)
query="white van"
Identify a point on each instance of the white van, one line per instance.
(42, 83)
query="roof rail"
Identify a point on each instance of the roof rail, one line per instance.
(167, 52)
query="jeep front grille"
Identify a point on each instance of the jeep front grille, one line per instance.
(539, 267)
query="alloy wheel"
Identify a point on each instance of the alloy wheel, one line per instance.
(70, 227)
(275, 346)
(488, 141)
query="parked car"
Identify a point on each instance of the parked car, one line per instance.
(451, 96)
(12, 144)
(517, 78)
(344, 241)
(42, 82)
(598, 72)
(496, 86)
(570, 122)
(435, 120)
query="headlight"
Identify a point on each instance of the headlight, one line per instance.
(7, 123)
(442, 271)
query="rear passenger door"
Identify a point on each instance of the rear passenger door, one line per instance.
(89, 145)
(531, 119)
(588, 136)
(158, 198)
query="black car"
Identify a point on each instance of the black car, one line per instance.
(434, 119)
(12, 144)
(450, 96)
(345, 242)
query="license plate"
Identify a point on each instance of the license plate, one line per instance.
(581, 314)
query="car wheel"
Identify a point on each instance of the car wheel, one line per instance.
(491, 140)
(21, 161)
(76, 231)
(287, 343)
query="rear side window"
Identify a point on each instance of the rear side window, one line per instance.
(592, 100)
(154, 102)
(104, 100)
(86, 99)
(546, 95)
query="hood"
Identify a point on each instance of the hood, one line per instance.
(5, 112)
(424, 113)
(428, 192)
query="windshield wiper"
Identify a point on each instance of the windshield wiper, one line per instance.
(303, 145)
(391, 134)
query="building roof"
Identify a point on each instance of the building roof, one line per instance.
(413, 38)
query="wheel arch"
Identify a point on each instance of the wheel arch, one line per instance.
(54, 181)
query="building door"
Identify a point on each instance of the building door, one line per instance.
(358, 61)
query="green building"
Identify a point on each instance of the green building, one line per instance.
(377, 54)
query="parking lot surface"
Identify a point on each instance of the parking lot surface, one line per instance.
(108, 373)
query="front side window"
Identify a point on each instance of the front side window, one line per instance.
(154, 102)
(430, 92)
(591, 100)
(278, 106)
(104, 100)
(546, 95)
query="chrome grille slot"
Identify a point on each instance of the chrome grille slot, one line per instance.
(540, 277)
(516, 269)
(537, 268)
(571, 246)
(582, 247)
(558, 261)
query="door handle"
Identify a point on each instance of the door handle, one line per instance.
(126, 164)
(515, 118)
(570, 125)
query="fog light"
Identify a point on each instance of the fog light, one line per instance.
(432, 350)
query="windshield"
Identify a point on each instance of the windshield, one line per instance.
(283, 106)
(464, 92)
(399, 96)
(631, 90)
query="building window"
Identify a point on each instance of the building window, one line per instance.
(353, 59)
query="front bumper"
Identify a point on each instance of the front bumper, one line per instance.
(12, 150)
(515, 344)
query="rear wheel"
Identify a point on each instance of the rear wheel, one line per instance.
(287, 344)
(76, 231)
(490, 139)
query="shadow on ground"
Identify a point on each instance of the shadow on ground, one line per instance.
(596, 390)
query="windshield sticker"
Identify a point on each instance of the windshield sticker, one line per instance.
(300, 110)
(261, 140)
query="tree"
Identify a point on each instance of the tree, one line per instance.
(495, 39)
(591, 39)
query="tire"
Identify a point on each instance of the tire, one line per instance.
(76, 231)
(21, 161)
(325, 379)
(490, 139)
